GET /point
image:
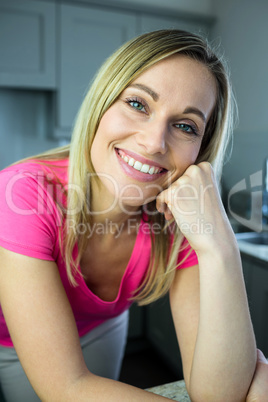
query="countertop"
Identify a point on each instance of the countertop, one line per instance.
(174, 390)
(258, 251)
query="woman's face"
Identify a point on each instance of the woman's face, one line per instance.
(153, 131)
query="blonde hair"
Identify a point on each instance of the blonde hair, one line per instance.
(119, 70)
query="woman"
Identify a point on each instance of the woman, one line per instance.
(128, 212)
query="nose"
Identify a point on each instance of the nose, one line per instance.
(153, 139)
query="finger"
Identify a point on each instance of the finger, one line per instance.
(164, 209)
(160, 206)
(162, 200)
(260, 357)
(168, 214)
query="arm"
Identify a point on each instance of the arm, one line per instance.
(259, 388)
(42, 327)
(217, 345)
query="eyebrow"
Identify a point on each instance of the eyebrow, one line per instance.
(155, 97)
(196, 111)
(149, 91)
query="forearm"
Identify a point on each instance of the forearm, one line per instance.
(220, 359)
(225, 352)
(93, 388)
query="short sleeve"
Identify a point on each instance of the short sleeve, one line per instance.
(185, 260)
(28, 222)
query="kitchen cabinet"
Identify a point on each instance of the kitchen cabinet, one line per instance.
(247, 264)
(149, 23)
(160, 332)
(60, 45)
(256, 278)
(27, 44)
(88, 35)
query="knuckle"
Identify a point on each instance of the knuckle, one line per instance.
(207, 170)
(206, 166)
(194, 169)
(183, 180)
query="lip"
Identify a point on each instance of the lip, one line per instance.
(142, 159)
(136, 174)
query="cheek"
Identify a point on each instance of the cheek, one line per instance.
(186, 155)
(103, 136)
(194, 155)
(113, 124)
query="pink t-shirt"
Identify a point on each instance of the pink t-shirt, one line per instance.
(30, 220)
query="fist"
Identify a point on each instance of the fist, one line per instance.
(194, 202)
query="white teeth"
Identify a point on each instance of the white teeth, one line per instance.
(131, 162)
(137, 165)
(144, 168)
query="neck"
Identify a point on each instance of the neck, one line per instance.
(106, 209)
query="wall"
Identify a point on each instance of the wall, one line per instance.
(243, 32)
(243, 29)
(24, 115)
(24, 124)
(201, 7)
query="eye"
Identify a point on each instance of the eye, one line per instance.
(187, 128)
(137, 104)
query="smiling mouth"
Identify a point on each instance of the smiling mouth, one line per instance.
(137, 165)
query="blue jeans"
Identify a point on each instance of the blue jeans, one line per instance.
(103, 350)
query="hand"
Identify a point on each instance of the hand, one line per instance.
(194, 202)
(258, 391)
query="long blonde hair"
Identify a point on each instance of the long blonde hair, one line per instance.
(119, 70)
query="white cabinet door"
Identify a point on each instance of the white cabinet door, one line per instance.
(152, 23)
(27, 44)
(88, 36)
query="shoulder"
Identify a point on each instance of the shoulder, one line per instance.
(29, 208)
(38, 168)
(31, 178)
